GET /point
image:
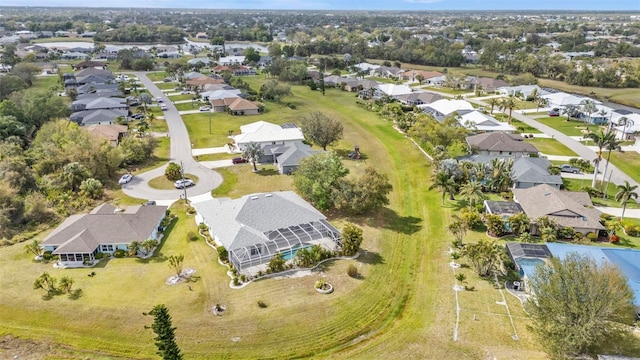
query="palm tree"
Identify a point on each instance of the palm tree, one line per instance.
(625, 193)
(33, 248)
(151, 117)
(500, 174)
(510, 104)
(175, 263)
(253, 152)
(548, 234)
(444, 182)
(570, 110)
(45, 282)
(612, 144)
(493, 102)
(66, 283)
(133, 248)
(145, 99)
(589, 107)
(148, 245)
(600, 139)
(472, 192)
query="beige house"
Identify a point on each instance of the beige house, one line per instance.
(572, 209)
(500, 143)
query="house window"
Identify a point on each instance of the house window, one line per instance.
(106, 248)
(63, 257)
(256, 251)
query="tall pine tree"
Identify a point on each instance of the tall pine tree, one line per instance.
(165, 339)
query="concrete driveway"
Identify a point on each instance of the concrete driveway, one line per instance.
(180, 153)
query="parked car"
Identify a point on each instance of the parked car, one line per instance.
(137, 116)
(184, 92)
(164, 107)
(238, 160)
(204, 108)
(125, 179)
(159, 99)
(150, 202)
(167, 79)
(569, 169)
(554, 112)
(183, 183)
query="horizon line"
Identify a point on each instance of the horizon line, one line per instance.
(340, 10)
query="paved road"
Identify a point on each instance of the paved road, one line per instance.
(180, 152)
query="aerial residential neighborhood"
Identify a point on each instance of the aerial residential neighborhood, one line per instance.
(421, 180)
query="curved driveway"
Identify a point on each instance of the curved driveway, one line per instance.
(180, 152)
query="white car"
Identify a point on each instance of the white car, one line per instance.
(125, 179)
(204, 108)
(184, 92)
(183, 183)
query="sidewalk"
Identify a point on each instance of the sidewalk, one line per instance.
(213, 150)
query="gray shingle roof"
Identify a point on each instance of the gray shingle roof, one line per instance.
(533, 170)
(83, 233)
(500, 141)
(569, 208)
(243, 222)
(294, 154)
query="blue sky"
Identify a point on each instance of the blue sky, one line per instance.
(351, 4)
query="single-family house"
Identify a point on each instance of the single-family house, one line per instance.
(74, 56)
(240, 106)
(489, 85)
(561, 100)
(265, 133)
(231, 60)
(201, 82)
(169, 55)
(522, 91)
(96, 103)
(220, 94)
(256, 227)
(361, 85)
(479, 122)
(286, 157)
(204, 60)
(104, 230)
(111, 133)
(442, 108)
(526, 172)
(420, 75)
(106, 56)
(500, 143)
(264, 61)
(193, 75)
(201, 35)
(419, 98)
(388, 72)
(98, 116)
(572, 209)
(366, 67)
(391, 90)
(90, 64)
(625, 126)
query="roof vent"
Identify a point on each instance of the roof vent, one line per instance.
(254, 198)
(268, 195)
(584, 218)
(547, 194)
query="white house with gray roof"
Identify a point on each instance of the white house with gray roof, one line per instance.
(256, 227)
(105, 229)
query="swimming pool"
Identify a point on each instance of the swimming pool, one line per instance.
(291, 253)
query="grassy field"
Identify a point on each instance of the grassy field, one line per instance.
(560, 123)
(628, 162)
(403, 305)
(551, 147)
(610, 191)
(524, 128)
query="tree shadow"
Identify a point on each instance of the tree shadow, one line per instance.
(370, 257)
(51, 294)
(192, 279)
(403, 224)
(267, 172)
(624, 242)
(102, 263)
(76, 294)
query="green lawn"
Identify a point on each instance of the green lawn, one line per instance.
(551, 147)
(449, 91)
(524, 128)
(628, 162)
(609, 188)
(166, 85)
(560, 123)
(213, 157)
(157, 75)
(403, 304)
(162, 183)
(181, 97)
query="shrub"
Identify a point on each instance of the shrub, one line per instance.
(291, 106)
(566, 232)
(101, 255)
(262, 304)
(352, 271)
(191, 210)
(319, 284)
(223, 254)
(191, 236)
(47, 255)
(236, 281)
(119, 253)
(578, 236)
(592, 236)
(614, 239)
(173, 172)
(243, 278)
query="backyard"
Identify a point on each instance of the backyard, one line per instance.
(403, 305)
(560, 123)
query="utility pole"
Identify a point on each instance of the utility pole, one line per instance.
(183, 185)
